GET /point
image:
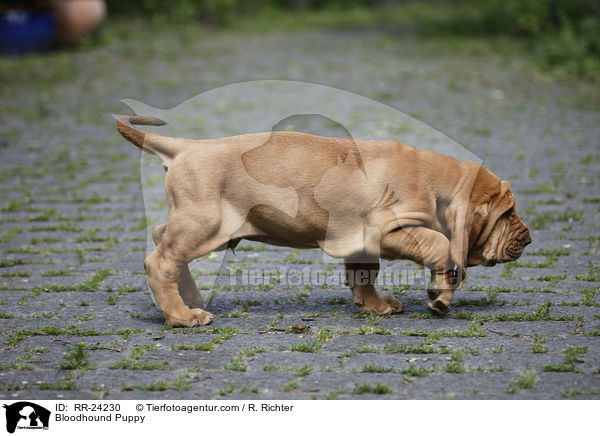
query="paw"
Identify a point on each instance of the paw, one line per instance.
(190, 318)
(379, 306)
(202, 317)
(438, 307)
(440, 298)
(397, 306)
(379, 309)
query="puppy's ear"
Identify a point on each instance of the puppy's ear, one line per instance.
(478, 222)
(484, 189)
(499, 204)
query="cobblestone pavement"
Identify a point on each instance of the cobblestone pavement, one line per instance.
(72, 238)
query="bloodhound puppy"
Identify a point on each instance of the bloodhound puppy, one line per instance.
(357, 200)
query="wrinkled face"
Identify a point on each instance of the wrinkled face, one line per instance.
(504, 243)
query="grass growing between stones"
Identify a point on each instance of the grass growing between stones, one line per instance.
(409, 349)
(575, 392)
(368, 388)
(90, 285)
(20, 363)
(572, 356)
(231, 389)
(314, 345)
(542, 313)
(222, 335)
(303, 371)
(525, 381)
(75, 357)
(375, 369)
(133, 362)
(414, 371)
(538, 344)
(15, 274)
(237, 364)
(593, 274)
(63, 385)
(456, 366)
(332, 395)
(17, 336)
(290, 386)
(299, 374)
(180, 383)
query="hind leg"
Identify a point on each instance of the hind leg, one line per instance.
(185, 282)
(361, 273)
(163, 267)
(186, 237)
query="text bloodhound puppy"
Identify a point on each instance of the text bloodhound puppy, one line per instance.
(357, 200)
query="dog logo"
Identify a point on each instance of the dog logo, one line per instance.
(26, 415)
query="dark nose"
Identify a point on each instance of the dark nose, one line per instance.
(527, 238)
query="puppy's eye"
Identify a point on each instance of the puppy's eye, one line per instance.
(509, 213)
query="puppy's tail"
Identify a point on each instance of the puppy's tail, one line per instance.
(163, 146)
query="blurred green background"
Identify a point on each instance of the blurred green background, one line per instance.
(564, 35)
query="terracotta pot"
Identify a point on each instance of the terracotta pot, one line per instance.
(78, 17)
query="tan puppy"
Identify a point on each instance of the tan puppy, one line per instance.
(357, 200)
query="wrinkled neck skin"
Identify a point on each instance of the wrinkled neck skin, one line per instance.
(452, 189)
(466, 215)
(491, 249)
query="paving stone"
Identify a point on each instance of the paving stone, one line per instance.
(315, 361)
(397, 362)
(550, 383)
(51, 395)
(116, 379)
(340, 344)
(447, 385)
(157, 395)
(331, 381)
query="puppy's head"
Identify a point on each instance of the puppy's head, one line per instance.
(496, 233)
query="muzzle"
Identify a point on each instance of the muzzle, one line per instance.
(517, 244)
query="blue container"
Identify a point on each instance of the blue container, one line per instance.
(23, 31)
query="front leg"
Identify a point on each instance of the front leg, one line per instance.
(441, 290)
(428, 248)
